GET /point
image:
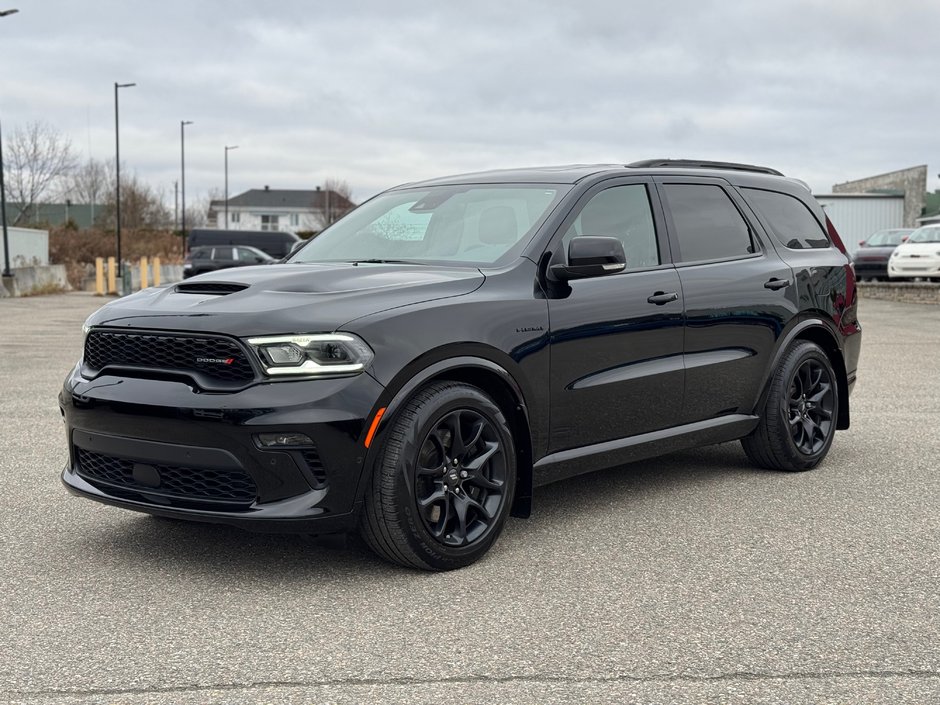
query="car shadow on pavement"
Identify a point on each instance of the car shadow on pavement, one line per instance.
(183, 547)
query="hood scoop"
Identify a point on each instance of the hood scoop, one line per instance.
(214, 288)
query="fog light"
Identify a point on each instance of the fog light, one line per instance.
(284, 440)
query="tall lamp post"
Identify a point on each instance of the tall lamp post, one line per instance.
(183, 124)
(7, 272)
(227, 150)
(117, 179)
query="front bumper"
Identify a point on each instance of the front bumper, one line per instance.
(871, 267)
(167, 448)
(911, 267)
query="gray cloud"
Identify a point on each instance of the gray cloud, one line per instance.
(380, 93)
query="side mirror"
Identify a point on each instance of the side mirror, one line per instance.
(861, 243)
(591, 257)
(296, 246)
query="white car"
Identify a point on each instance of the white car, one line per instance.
(918, 256)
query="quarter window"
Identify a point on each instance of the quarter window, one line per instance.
(622, 212)
(790, 220)
(707, 223)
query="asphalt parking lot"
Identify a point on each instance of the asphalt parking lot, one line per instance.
(689, 579)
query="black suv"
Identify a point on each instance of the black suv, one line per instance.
(211, 259)
(421, 365)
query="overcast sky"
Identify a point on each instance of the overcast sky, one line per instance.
(381, 92)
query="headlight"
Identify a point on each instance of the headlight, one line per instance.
(320, 355)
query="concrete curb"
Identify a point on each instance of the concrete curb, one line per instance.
(903, 292)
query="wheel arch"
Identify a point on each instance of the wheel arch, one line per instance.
(493, 379)
(815, 331)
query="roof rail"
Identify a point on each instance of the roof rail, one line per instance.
(701, 164)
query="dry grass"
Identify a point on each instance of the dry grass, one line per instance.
(77, 249)
(44, 289)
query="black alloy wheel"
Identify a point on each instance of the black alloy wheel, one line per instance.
(798, 419)
(460, 478)
(811, 405)
(443, 480)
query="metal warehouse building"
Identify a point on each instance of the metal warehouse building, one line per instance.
(858, 215)
(864, 206)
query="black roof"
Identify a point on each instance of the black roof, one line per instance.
(573, 173)
(285, 198)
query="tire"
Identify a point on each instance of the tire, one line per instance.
(431, 505)
(798, 420)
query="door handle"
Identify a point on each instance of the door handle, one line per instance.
(775, 284)
(661, 297)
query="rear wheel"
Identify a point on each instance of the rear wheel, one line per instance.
(443, 482)
(798, 421)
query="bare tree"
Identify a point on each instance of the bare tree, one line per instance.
(338, 186)
(91, 183)
(337, 201)
(37, 158)
(142, 206)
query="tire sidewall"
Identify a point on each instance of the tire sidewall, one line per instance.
(418, 537)
(801, 354)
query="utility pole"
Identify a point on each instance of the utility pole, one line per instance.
(117, 182)
(7, 272)
(183, 124)
(227, 150)
(176, 205)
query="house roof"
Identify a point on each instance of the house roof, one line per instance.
(286, 198)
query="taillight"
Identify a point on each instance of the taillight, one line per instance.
(834, 236)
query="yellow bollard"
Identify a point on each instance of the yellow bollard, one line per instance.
(99, 276)
(112, 276)
(156, 271)
(143, 273)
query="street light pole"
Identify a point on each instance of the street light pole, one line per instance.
(7, 272)
(227, 149)
(183, 124)
(117, 180)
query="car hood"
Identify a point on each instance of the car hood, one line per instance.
(918, 248)
(285, 298)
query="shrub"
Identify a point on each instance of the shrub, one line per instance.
(77, 250)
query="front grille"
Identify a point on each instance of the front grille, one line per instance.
(216, 358)
(194, 484)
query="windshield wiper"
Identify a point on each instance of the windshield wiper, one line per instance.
(383, 261)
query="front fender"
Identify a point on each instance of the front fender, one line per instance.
(463, 366)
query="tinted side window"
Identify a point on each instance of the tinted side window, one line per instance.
(246, 255)
(790, 220)
(708, 225)
(622, 212)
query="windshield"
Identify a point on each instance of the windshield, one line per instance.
(472, 224)
(887, 237)
(928, 234)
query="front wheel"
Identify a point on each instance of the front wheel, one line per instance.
(798, 421)
(443, 482)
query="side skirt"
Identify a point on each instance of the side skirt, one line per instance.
(577, 461)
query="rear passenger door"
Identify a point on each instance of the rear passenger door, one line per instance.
(738, 295)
